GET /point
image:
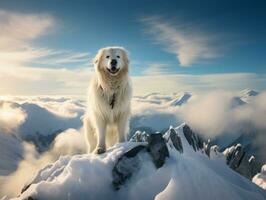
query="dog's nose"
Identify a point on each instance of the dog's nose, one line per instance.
(113, 62)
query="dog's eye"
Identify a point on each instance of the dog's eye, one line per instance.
(107, 56)
(118, 56)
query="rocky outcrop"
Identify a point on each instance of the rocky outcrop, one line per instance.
(126, 165)
(234, 157)
(156, 147)
(129, 162)
(174, 139)
(193, 139)
(238, 160)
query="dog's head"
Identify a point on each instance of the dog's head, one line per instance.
(112, 60)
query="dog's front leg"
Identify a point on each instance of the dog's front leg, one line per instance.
(101, 131)
(122, 127)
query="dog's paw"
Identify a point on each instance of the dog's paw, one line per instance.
(99, 150)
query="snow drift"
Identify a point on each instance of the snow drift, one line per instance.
(186, 173)
(260, 178)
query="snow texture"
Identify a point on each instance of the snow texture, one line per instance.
(260, 178)
(184, 176)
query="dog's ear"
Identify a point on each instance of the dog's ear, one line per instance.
(95, 60)
(125, 56)
(98, 56)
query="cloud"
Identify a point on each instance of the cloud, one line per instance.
(12, 184)
(197, 83)
(189, 43)
(69, 107)
(18, 33)
(11, 117)
(211, 114)
(214, 114)
(16, 28)
(156, 69)
(255, 111)
(69, 142)
(27, 69)
(19, 56)
(43, 81)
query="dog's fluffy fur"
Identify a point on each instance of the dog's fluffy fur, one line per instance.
(102, 120)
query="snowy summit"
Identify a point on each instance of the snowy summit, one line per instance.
(173, 165)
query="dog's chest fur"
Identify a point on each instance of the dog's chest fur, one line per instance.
(109, 104)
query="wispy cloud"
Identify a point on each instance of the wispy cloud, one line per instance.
(156, 69)
(18, 33)
(25, 66)
(16, 36)
(203, 83)
(18, 28)
(188, 43)
(63, 57)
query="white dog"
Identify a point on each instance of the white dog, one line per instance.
(109, 100)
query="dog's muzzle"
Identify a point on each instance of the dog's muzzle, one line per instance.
(113, 69)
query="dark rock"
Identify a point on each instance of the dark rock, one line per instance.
(200, 142)
(241, 162)
(129, 163)
(158, 149)
(31, 198)
(247, 167)
(207, 147)
(235, 157)
(126, 165)
(192, 138)
(176, 140)
(25, 188)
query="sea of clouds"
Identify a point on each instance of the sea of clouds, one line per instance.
(212, 115)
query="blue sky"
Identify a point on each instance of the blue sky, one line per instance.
(195, 38)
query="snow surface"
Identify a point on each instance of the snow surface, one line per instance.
(184, 176)
(260, 178)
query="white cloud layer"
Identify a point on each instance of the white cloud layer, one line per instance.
(197, 83)
(212, 114)
(70, 142)
(156, 69)
(11, 117)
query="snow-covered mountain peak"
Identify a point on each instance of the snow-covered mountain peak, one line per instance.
(249, 92)
(181, 99)
(154, 168)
